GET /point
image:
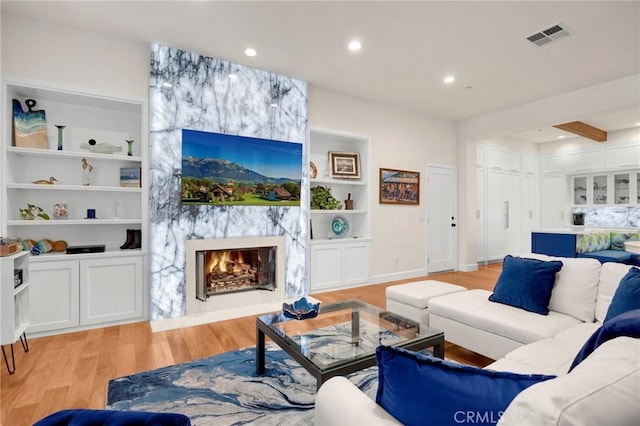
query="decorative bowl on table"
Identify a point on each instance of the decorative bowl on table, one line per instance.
(301, 309)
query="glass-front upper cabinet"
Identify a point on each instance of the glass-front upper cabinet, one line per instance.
(621, 188)
(600, 189)
(579, 190)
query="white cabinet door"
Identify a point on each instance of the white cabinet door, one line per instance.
(111, 289)
(514, 213)
(529, 165)
(325, 266)
(552, 164)
(552, 201)
(623, 157)
(499, 159)
(355, 263)
(504, 214)
(481, 215)
(529, 201)
(584, 161)
(481, 155)
(55, 294)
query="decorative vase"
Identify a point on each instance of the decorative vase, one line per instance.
(130, 148)
(60, 128)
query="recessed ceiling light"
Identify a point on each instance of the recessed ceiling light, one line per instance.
(638, 123)
(561, 137)
(449, 79)
(355, 45)
(250, 52)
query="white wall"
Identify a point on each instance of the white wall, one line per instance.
(400, 140)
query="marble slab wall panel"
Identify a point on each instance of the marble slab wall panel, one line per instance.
(190, 91)
(610, 217)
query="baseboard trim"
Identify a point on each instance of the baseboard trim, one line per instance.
(472, 267)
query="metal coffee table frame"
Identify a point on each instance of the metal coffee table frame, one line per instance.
(429, 338)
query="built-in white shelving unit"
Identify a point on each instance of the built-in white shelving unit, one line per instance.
(345, 260)
(69, 292)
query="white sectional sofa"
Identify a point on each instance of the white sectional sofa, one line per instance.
(603, 389)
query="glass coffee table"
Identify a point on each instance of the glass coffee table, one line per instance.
(343, 337)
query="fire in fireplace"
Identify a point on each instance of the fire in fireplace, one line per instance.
(230, 271)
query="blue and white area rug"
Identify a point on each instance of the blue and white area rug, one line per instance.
(225, 390)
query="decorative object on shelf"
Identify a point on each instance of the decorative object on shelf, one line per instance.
(49, 181)
(322, 199)
(339, 227)
(9, 246)
(100, 148)
(60, 211)
(91, 214)
(60, 129)
(32, 212)
(313, 170)
(399, 187)
(29, 127)
(43, 246)
(344, 165)
(86, 172)
(134, 239)
(348, 203)
(116, 207)
(129, 147)
(301, 309)
(130, 177)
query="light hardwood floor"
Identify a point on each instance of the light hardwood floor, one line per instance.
(72, 370)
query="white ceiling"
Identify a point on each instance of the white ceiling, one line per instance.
(408, 47)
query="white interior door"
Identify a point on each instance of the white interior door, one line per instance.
(442, 218)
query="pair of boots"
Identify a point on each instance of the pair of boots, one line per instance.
(134, 239)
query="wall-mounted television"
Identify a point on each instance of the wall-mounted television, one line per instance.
(221, 169)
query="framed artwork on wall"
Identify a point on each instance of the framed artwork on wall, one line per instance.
(344, 165)
(399, 187)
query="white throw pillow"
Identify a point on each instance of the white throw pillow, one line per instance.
(576, 287)
(604, 389)
(610, 277)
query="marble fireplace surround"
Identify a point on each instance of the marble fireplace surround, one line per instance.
(191, 91)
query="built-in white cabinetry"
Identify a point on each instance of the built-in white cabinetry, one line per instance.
(481, 214)
(85, 291)
(623, 157)
(552, 201)
(88, 175)
(584, 161)
(552, 164)
(14, 296)
(342, 264)
(340, 260)
(501, 159)
(506, 203)
(605, 189)
(481, 156)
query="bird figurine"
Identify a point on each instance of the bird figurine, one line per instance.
(49, 181)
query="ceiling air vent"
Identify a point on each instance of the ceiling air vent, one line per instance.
(552, 33)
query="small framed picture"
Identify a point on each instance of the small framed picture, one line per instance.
(130, 177)
(345, 165)
(399, 187)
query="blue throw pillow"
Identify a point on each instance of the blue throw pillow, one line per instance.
(627, 295)
(526, 283)
(418, 389)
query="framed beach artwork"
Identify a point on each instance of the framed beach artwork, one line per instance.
(399, 187)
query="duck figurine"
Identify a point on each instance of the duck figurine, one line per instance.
(49, 181)
(100, 148)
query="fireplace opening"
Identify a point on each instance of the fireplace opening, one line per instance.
(231, 271)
